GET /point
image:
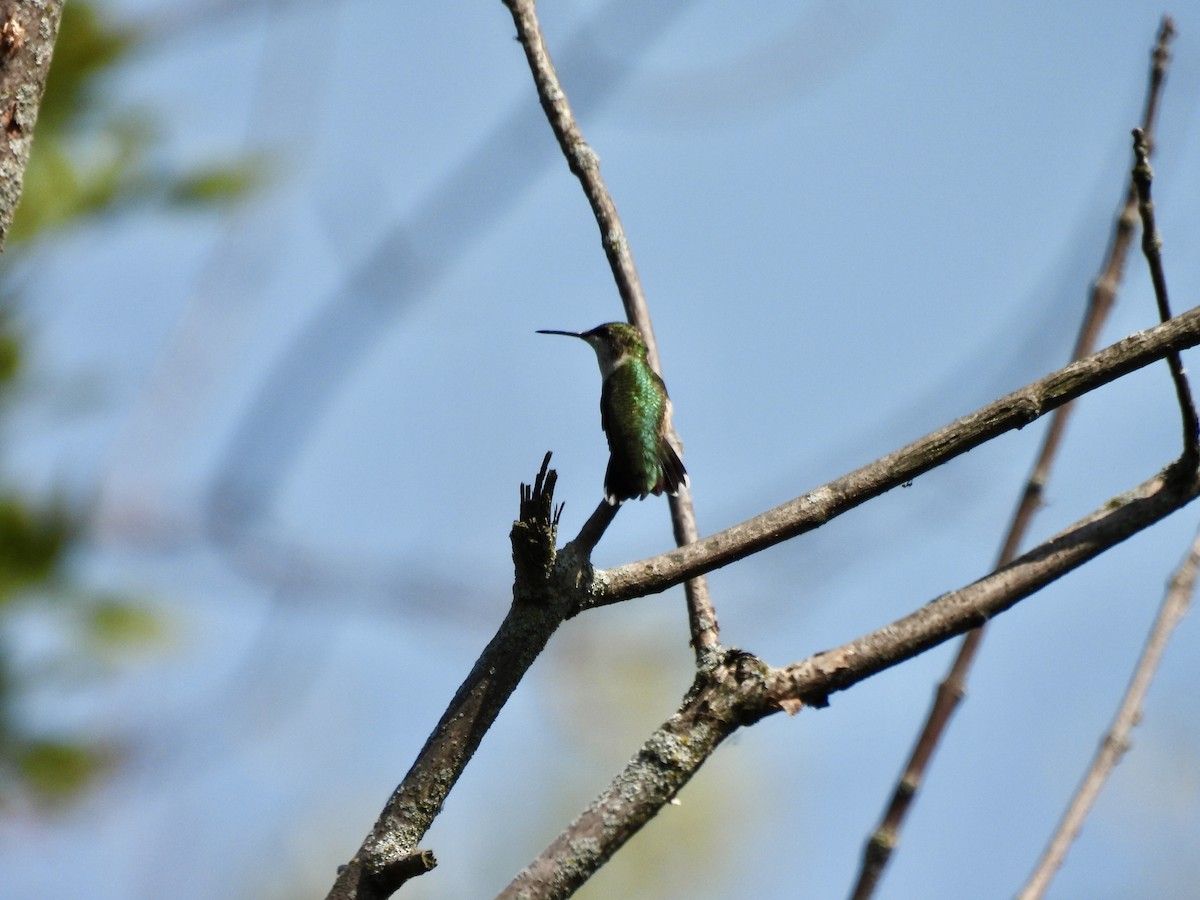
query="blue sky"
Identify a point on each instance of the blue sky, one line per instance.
(300, 427)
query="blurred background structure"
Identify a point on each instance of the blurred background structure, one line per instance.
(270, 382)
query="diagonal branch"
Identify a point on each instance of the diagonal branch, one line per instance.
(712, 711)
(585, 165)
(593, 529)
(959, 611)
(389, 854)
(1174, 606)
(808, 511)
(950, 691)
(581, 158)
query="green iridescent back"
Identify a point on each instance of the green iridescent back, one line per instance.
(633, 407)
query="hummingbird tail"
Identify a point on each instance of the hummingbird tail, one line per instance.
(674, 475)
(622, 483)
(619, 485)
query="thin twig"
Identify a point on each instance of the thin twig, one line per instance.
(1114, 744)
(1143, 177)
(743, 689)
(593, 529)
(882, 842)
(818, 506)
(585, 165)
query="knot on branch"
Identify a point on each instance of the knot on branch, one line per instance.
(734, 691)
(388, 877)
(376, 873)
(745, 675)
(534, 533)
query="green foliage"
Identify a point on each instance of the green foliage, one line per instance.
(32, 540)
(217, 183)
(115, 624)
(54, 772)
(89, 159)
(87, 48)
(10, 355)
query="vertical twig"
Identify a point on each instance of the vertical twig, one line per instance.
(950, 692)
(1114, 744)
(585, 165)
(1143, 178)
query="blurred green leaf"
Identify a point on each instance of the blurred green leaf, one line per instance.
(218, 183)
(31, 542)
(67, 181)
(89, 158)
(56, 771)
(10, 356)
(117, 623)
(87, 46)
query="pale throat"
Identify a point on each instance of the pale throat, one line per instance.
(610, 362)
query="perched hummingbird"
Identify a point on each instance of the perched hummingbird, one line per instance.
(634, 412)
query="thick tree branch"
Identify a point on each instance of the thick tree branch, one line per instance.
(28, 30)
(808, 511)
(585, 165)
(729, 695)
(386, 857)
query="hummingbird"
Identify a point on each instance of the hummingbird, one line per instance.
(635, 413)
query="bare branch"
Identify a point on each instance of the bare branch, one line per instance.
(27, 34)
(1174, 606)
(712, 710)
(702, 615)
(582, 159)
(1143, 177)
(539, 607)
(593, 529)
(808, 511)
(814, 679)
(951, 690)
(585, 164)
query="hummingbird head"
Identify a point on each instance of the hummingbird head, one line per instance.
(614, 342)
